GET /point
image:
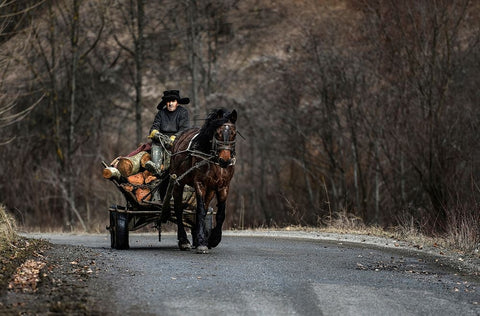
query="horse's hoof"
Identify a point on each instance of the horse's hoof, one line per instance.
(202, 249)
(213, 243)
(184, 245)
(214, 240)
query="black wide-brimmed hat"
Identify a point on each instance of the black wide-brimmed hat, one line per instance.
(170, 95)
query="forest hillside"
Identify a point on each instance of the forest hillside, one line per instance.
(361, 110)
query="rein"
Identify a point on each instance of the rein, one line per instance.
(216, 146)
(206, 159)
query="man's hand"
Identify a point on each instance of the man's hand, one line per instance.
(169, 141)
(153, 133)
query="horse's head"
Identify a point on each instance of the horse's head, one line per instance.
(223, 142)
(217, 136)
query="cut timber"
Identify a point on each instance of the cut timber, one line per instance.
(136, 179)
(140, 193)
(150, 179)
(148, 176)
(131, 165)
(144, 159)
(111, 173)
(127, 187)
(114, 162)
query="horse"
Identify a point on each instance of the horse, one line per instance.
(204, 159)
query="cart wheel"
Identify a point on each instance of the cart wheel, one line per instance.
(121, 231)
(112, 229)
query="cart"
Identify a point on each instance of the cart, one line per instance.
(137, 214)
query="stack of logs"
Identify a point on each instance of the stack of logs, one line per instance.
(131, 174)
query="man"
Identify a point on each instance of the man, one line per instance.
(170, 119)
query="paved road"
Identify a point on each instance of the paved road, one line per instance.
(272, 276)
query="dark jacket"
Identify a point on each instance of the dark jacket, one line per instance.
(170, 123)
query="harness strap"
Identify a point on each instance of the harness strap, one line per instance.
(206, 158)
(195, 166)
(191, 141)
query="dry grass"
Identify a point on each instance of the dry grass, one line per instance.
(463, 228)
(7, 229)
(462, 236)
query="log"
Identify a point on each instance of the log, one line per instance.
(128, 187)
(150, 179)
(148, 176)
(131, 165)
(125, 166)
(144, 159)
(136, 179)
(111, 173)
(114, 162)
(140, 193)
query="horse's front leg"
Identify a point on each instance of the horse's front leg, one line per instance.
(183, 242)
(202, 203)
(216, 235)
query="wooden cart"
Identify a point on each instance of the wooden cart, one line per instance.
(136, 214)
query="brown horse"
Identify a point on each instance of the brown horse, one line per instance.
(204, 159)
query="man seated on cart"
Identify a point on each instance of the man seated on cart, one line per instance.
(170, 119)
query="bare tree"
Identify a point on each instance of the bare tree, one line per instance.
(12, 19)
(420, 41)
(53, 70)
(133, 16)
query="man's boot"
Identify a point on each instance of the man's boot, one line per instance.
(153, 168)
(155, 165)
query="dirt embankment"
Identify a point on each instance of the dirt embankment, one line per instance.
(48, 279)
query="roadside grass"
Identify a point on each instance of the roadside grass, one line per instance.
(462, 235)
(7, 229)
(14, 249)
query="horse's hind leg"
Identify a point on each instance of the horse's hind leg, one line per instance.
(183, 242)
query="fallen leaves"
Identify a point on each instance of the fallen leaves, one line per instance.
(82, 270)
(27, 276)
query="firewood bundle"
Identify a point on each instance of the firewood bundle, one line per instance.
(131, 174)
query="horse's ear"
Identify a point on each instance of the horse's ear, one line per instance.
(220, 114)
(233, 116)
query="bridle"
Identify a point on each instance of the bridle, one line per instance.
(224, 144)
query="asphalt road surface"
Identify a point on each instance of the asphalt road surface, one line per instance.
(272, 276)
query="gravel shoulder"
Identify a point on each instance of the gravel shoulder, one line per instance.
(61, 286)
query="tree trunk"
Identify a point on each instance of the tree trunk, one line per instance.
(192, 51)
(139, 47)
(71, 134)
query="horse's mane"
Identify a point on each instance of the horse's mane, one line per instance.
(215, 119)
